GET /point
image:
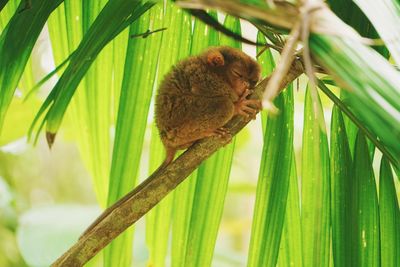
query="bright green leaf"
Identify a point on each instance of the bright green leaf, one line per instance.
(315, 192)
(210, 191)
(158, 220)
(134, 103)
(290, 252)
(273, 184)
(113, 18)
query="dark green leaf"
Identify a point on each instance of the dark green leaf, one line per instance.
(364, 234)
(16, 43)
(389, 217)
(341, 175)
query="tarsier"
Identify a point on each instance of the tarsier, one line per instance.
(198, 97)
(201, 94)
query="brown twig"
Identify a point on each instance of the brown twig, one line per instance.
(287, 57)
(266, 47)
(306, 10)
(144, 197)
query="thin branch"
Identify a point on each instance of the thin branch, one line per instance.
(285, 62)
(147, 33)
(269, 33)
(266, 47)
(306, 10)
(143, 198)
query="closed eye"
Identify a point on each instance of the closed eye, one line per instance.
(237, 73)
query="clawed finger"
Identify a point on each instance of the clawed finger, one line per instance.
(221, 131)
(249, 110)
(254, 102)
(245, 94)
(243, 113)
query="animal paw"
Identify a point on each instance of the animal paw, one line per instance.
(215, 59)
(247, 107)
(224, 134)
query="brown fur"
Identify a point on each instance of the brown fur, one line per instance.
(201, 94)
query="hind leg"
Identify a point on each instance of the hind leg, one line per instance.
(185, 136)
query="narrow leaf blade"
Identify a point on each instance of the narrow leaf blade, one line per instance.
(364, 209)
(389, 216)
(341, 175)
(273, 184)
(315, 192)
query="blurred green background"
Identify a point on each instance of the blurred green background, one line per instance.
(47, 197)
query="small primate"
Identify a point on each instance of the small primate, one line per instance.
(197, 98)
(201, 94)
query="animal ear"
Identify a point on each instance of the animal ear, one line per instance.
(215, 58)
(228, 53)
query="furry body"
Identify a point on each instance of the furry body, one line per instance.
(201, 94)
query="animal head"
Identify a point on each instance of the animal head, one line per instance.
(240, 70)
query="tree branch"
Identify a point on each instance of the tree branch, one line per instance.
(143, 198)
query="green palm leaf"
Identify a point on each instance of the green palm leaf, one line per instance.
(351, 14)
(158, 221)
(16, 46)
(210, 191)
(273, 184)
(315, 181)
(3, 3)
(375, 96)
(96, 105)
(136, 92)
(290, 252)
(203, 36)
(114, 17)
(386, 22)
(341, 175)
(268, 64)
(364, 235)
(389, 216)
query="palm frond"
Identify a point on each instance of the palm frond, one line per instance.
(290, 251)
(134, 102)
(374, 97)
(389, 215)
(273, 184)
(364, 234)
(16, 46)
(158, 221)
(385, 21)
(341, 175)
(113, 18)
(315, 189)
